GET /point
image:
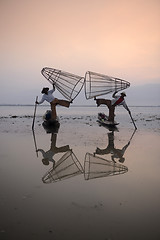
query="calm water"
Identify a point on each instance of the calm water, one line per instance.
(144, 117)
(100, 184)
(29, 110)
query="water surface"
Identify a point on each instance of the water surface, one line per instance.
(112, 195)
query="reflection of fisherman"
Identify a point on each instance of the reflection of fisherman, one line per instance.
(48, 155)
(115, 153)
(47, 96)
(111, 104)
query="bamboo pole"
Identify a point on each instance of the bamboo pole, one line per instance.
(34, 113)
(35, 144)
(132, 120)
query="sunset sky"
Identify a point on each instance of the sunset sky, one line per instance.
(120, 38)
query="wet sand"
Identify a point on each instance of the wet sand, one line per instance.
(102, 184)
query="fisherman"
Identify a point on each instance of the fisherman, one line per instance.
(48, 155)
(110, 149)
(111, 104)
(47, 96)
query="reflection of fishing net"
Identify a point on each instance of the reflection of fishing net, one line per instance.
(96, 167)
(68, 84)
(97, 84)
(67, 166)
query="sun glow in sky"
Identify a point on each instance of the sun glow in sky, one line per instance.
(120, 38)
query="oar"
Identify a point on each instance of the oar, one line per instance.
(35, 144)
(34, 113)
(132, 120)
(132, 135)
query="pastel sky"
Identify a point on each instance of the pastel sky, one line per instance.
(120, 38)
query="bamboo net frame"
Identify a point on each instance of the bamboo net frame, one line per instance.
(97, 84)
(68, 84)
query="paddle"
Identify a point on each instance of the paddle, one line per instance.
(132, 120)
(35, 144)
(34, 113)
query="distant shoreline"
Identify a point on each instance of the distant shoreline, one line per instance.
(31, 105)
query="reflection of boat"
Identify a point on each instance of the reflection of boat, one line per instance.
(49, 124)
(96, 167)
(103, 120)
(67, 166)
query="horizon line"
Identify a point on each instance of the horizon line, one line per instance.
(80, 105)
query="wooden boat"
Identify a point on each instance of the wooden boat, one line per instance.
(50, 125)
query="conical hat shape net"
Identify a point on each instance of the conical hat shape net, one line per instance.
(97, 84)
(69, 85)
(67, 166)
(96, 167)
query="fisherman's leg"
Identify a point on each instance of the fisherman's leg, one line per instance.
(63, 103)
(111, 139)
(111, 113)
(100, 151)
(62, 149)
(100, 101)
(53, 140)
(54, 113)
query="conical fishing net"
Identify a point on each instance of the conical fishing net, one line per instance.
(96, 167)
(67, 166)
(68, 84)
(98, 84)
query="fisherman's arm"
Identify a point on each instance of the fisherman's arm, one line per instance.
(51, 91)
(114, 94)
(41, 150)
(41, 101)
(113, 159)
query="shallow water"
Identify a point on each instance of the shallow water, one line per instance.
(72, 197)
